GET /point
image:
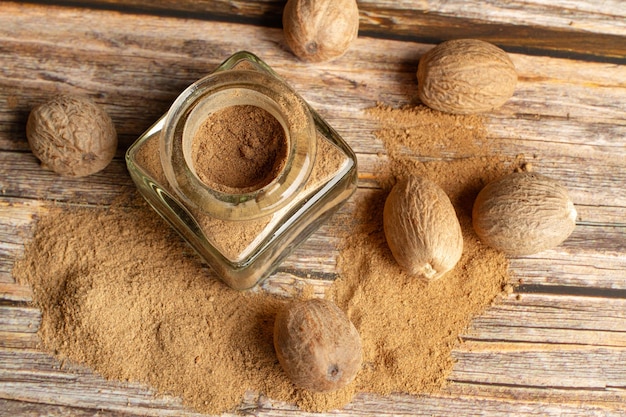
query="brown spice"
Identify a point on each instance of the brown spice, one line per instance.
(234, 238)
(129, 299)
(409, 328)
(231, 238)
(424, 132)
(120, 292)
(241, 156)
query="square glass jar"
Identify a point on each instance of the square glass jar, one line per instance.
(244, 237)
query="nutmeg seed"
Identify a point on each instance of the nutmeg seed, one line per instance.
(421, 228)
(320, 30)
(523, 213)
(71, 135)
(465, 76)
(317, 345)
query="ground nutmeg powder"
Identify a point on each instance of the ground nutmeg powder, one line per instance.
(239, 156)
(235, 238)
(121, 293)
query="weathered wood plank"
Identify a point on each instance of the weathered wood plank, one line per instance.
(537, 26)
(594, 179)
(544, 400)
(21, 175)
(448, 405)
(551, 319)
(40, 378)
(595, 183)
(548, 366)
(19, 319)
(584, 270)
(33, 409)
(14, 292)
(558, 13)
(33, 376)
(518, 334)
(15, 340)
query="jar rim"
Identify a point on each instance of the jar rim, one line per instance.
(239, 87)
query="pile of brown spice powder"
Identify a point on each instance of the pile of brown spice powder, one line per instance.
(121, 293)
(239, 157)
(410, 327)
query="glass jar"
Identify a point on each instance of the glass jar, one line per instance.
(243, 234)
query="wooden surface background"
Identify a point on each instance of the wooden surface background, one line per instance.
(556, 346)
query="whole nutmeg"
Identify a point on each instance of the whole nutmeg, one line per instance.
(465, 76)
(421, 228)
(317, 345)
(320, 30)
(71, 135)
(523, 213)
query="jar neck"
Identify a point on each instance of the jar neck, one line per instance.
(217, 92)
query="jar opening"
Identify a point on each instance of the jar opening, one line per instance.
(237, 149)
(272, 181)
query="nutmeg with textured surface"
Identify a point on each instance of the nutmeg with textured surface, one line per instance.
(421, 228)
(523, 213)
(320, 30)
(317, 345)
(465, 76)
(71, 135)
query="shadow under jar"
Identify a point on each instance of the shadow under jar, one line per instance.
(243, 169)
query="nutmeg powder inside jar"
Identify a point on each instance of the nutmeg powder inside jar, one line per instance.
(239, 149)
(233, 239)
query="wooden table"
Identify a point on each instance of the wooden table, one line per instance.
(556, 346)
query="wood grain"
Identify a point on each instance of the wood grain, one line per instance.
(570, 29)
(555, 346)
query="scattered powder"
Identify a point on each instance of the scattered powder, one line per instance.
(426, 132)
(120, 292)
(242, 156)
(409, 327)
